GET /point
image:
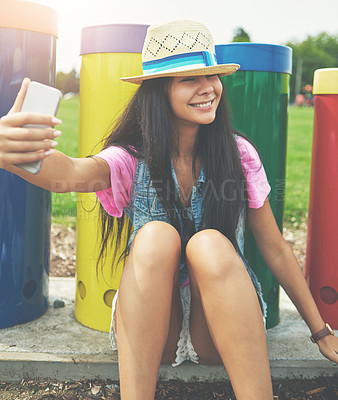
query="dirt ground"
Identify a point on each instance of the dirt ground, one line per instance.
(63, 265)
(63, 246)
(320, 389)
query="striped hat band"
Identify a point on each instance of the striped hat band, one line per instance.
(179, 48)
(180, 62)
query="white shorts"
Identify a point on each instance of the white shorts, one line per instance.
(185, 349)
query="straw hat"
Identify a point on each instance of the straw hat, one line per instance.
(179, 48)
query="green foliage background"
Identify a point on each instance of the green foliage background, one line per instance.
(315, 52)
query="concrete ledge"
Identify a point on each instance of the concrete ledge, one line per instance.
(57, 346)
(17, 366)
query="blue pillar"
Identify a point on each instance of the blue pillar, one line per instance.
(28, 49)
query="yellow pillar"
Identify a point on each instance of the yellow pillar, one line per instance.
(109, 52)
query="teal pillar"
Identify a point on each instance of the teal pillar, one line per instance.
(258, 95)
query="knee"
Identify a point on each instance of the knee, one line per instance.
(212, 254)
(208, 242)
(157, 240)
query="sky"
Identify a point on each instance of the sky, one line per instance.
(266, 21)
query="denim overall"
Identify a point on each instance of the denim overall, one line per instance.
(145, 206)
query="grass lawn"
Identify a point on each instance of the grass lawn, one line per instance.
(64, 205)
(298, 163)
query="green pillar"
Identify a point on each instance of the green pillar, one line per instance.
(258, 95)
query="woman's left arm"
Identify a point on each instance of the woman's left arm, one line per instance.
(280, 259)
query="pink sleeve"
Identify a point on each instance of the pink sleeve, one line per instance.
(122, 172)
(258, 187)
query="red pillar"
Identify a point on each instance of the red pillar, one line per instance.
(321, 269)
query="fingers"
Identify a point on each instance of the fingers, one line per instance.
(28, 118)
(15, 146)
(18, 158)
(20, 140)
(21, 145)
(27, 136)
(328, 346)
(331, 355)
(20, 96)
(33, 134)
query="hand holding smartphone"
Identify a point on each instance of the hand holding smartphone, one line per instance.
(41, 99)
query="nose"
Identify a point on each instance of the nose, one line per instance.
(205, 85)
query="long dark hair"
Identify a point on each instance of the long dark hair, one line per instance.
(148, 125)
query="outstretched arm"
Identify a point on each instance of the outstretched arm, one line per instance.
(283, 264)
(59, 173)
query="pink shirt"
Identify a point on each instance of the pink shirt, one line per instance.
(123, 167)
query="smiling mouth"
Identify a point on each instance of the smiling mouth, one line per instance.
(203, 105)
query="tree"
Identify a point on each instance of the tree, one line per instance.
(315, 52)
(68, 82)
(240, 35)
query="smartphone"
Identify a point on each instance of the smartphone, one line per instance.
(42, 99)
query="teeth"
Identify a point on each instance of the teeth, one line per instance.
(203, 104)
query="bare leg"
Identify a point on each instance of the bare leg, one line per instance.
(224, 299)
(144, 313)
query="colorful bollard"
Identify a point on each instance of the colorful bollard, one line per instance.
(258, 95)
(321, 266)
(108, 52)
(28, 33)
